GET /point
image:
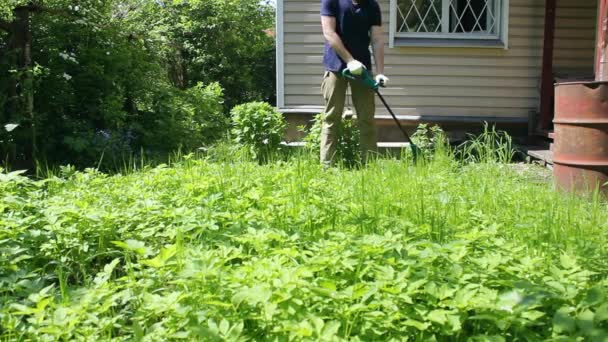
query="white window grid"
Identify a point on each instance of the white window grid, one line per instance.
(443, 19)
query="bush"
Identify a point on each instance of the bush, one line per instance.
(348, 148)
(186, 119)
(258, 127)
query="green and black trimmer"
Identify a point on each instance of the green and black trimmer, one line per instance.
(366, 79)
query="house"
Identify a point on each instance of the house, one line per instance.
(457, 63)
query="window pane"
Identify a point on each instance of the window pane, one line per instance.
(419, 16)
(472, 16)
(461, 16)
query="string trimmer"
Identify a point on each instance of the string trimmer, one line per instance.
(366, 79)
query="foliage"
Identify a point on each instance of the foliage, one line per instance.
(234, 250)
(188, 119)
(490, 146)
(348, 147)
(223, 41)
(259, 127)
(122, 77)
(429, 139)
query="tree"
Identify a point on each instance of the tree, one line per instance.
(18, 41)
(216, 40)
(114, 77)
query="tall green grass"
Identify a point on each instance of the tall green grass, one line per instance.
(459, 245)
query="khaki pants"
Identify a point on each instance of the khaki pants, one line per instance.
(334, 93)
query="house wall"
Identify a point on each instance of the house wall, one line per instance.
(575, 31)
(478, 83)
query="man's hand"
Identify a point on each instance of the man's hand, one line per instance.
(355, 67)
(382, 80)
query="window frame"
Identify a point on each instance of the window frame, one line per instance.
(446, 39)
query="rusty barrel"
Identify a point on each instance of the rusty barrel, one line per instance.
(580, 151)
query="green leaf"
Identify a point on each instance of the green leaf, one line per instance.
(106, 274)
(438, 316)
(594, 296)
(330, 329)
(252, 296)
(328, 284)
(532, 315)
(417, 324)
(161, 259)
(223, 327)
(454, 321)
(563, 322)
(584, 320)
(602, 313)
(508, 300)
(139, 247)
(568, 261)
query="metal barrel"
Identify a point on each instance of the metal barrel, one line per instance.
(580, 151)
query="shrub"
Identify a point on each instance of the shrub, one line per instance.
(202, 115)
(258, 127)
(173, 119)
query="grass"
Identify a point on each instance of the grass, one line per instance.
(220, 248)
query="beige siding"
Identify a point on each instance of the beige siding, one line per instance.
(447, 81)
(575, 36)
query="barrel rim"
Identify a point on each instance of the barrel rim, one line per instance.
(579, 121)
(557, 159)
(557, 84)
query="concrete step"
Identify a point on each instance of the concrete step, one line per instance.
(382, 145)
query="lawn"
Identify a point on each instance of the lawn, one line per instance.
(227, 249)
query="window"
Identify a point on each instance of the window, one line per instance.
(449, 22)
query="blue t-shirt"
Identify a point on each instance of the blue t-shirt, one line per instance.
(353, 25)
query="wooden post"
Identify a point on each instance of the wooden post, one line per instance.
(601, 50)
(547, 89)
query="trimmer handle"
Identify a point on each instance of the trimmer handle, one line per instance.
(365, 78)
(346, 73)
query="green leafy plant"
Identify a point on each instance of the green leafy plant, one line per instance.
(221, 248)
(489, 146)
(348, 146)
(430, 139)
(259, 127)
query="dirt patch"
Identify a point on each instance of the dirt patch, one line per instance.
(533, 172)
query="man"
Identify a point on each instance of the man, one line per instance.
(349, 26)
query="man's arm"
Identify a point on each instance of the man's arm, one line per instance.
(330, 34)
(378, 47)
